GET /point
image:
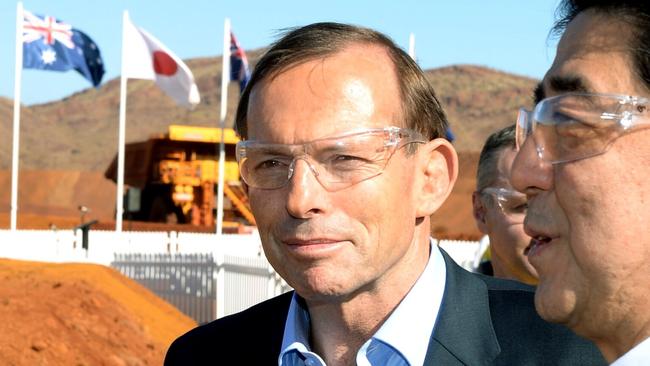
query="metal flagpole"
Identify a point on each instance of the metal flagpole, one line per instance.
(412, 46)
(16, 127)
(121, 132)
(225, 79)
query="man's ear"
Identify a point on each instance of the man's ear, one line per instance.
(479, 210)
(439, 166)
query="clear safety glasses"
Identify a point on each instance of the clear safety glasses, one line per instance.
(576, 126)
(337, 162)
(512, 203)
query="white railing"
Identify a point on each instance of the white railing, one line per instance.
(61, 246)
(41, 245)
(466, 253)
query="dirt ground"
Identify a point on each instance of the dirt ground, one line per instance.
(81, 314)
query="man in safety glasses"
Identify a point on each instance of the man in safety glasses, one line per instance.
(344, 161)
(584, 164)
(499, 210)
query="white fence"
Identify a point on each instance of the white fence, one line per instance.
(177, 266)
(186, 281)
(65, 245)
(466, 253)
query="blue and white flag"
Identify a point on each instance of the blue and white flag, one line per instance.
(239, 70)
(50, 44)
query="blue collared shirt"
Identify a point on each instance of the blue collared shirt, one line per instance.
(402, 340)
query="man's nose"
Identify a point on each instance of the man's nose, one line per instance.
(530, 173)
(294, 163)
(306, 196)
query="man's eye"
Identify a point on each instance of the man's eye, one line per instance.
(562, 118)
(345, 162)
(576, 129)
(270, 164)
(346, 158)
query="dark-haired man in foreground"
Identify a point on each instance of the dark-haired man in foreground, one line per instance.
(344, 161)
(584, 165)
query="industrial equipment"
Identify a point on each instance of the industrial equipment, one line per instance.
(173, 178)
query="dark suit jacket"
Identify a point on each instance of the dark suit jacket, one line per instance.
(482, 321)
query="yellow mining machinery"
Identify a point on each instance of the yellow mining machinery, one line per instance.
(173, 178)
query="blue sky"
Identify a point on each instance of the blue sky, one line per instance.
(509, 35)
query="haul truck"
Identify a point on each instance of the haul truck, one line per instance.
(173, 178)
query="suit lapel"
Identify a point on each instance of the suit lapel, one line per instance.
(463, 334)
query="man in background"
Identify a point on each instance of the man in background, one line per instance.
(499, 210)
(584, 163)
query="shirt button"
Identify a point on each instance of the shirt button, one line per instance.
(310, 362)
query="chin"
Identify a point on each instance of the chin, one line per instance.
(554, 305)
(319, 285)
(323, 294)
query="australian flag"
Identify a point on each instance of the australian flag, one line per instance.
(239, 70)
(50, 44)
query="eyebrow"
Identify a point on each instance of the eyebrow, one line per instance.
(274, 149)
(566, 84)
(561, 84)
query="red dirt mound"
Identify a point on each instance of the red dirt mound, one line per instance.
(81, 314)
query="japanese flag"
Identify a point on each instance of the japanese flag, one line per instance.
(144, 57)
